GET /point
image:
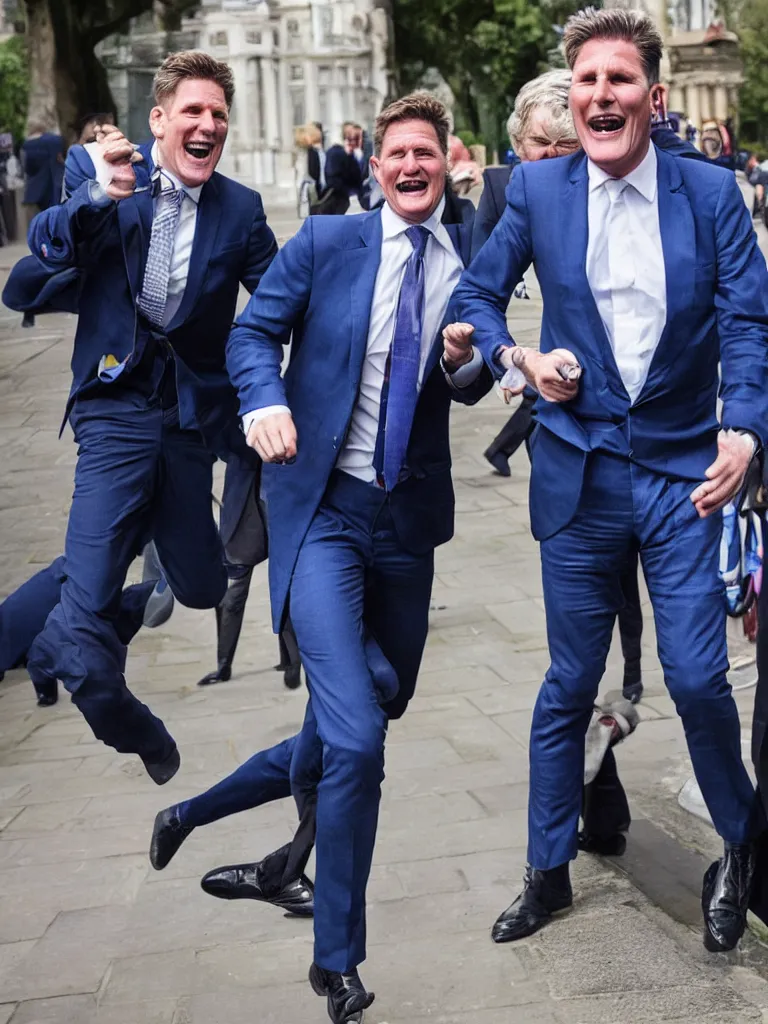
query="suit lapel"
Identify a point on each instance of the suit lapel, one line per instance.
(575, 237)
(135, 219)
(209, 211)
(362, 259)
(678, 241)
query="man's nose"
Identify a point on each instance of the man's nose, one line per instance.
(603, 93)
(207, 122)
(410, 164)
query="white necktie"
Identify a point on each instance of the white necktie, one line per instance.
(621, 258)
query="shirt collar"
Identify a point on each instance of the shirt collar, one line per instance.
(167, 178)
(392, 225)
(643, 178)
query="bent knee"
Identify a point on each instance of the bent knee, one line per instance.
(201, 593)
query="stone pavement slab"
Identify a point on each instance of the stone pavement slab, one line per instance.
(89, 934)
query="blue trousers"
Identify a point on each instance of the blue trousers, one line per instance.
(24, 612)
(138, 476)
(624, 507)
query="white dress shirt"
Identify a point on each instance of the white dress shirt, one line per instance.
(442, 269)
(625, 266)
(185, 227)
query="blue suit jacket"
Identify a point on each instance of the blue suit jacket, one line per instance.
(320, 286)
(717, 313)
(42, 160)
(88, 256)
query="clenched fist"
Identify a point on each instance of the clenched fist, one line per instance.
(555, 375)
(120, 155)
(274, 437)
(457, 346)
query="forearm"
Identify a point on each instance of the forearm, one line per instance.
(71, 234)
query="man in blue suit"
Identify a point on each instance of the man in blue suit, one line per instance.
(651, 276)
(150, 249)
(357, 480)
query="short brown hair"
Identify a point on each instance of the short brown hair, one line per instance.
(419, 106)
(615, 23)
(192, 64)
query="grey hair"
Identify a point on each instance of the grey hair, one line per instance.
(615, 23)
(550, 92)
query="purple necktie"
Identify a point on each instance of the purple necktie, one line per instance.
(401, 378)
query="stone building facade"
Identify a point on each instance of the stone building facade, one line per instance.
(293, 60)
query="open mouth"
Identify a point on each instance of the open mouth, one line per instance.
(606, 124)
(199, 150)
(411, 188)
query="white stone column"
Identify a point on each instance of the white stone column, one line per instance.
(311, 102)
(271, 113)
(692, 108)
(676, 98)
(721, 102)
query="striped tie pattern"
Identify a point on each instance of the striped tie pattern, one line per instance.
(154, 290)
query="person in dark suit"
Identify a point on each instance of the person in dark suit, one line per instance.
(628, 454)
(357, 482)
(42, 160)
(343, 173)
(150, 250)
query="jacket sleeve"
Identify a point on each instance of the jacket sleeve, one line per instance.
(71, 234)
(472, 393)
(486, 218)
(483, 293)
(262, 248)
(742, 315)
(255, 345)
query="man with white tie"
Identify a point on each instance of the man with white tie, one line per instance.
(651, 277)
(149, 249)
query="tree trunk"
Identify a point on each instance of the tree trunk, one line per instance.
(41, 115)
(81, 80)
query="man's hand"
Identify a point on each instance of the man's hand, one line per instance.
(725, 476)
(120, 155)
(547, 373)
(274, 437)
(457, 346)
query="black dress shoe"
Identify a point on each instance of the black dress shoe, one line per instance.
(241, 882)
(603, 846)
(632, 691)
(167, 836)
(499, 462)
(725, 897)
(163, 771)
(347, 997)
(545, 893)
(222, 675)
(292, 677)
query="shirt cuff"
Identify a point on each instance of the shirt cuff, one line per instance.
(97, 194)
(466, 374)
(258, 414)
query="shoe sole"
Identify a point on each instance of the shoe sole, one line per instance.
(356, 1017)
(290, 911)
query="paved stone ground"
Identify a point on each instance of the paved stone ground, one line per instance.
(89, 933)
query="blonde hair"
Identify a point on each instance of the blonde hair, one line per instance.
(615, 23)
(418, 106)
(549, 92)
(192, 64)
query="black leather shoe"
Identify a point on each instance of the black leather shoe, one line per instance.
(632, 692)
(222, 675)
(292, 677)
(163, 771)
(725, 897)
(499, 462)
(347, 997)
(241, 882)
(545, 893)
(167, 836)
(603, 846)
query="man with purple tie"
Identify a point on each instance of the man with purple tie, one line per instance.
(357, 479)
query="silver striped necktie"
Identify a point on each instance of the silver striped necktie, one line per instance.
(154, 290)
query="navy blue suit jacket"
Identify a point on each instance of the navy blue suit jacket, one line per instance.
(98, 249)
(321, 286)
(717, 313)
(43, 162)
(492, 204)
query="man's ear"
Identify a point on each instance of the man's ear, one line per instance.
(157, 122)
(659, 98)
(375, 166)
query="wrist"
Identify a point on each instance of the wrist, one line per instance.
(452, 365)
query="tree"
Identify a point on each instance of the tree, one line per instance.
(67, 80)
(753, 32)
(484, 49)
(14, 86)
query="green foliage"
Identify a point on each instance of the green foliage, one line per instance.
(469, 138)
(14, 86)
(753, 31)
(484, 49)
